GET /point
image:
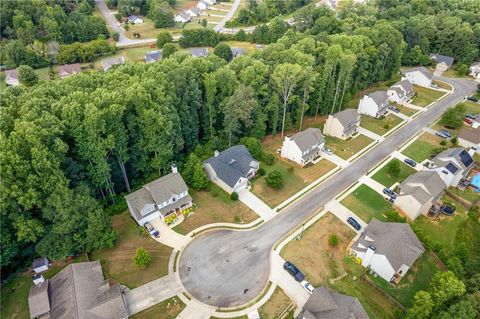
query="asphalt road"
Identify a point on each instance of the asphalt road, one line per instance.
(229, 268)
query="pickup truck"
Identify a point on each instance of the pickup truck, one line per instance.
(293, 270)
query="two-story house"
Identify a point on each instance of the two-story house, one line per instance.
(303, 147)
(343, 124)
(160, 198)
(374, 104)
(419, 76)
(452, 165)
(401, 92)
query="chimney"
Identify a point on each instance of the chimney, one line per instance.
(174, 168)
(216, 153)
(38, 279)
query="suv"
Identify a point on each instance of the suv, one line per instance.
(410, 162)
(354, 223)
(389, 192)
(293, 270)
(443, 134)
(152, 231)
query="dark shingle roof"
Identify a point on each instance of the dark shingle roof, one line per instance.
(379, 97)
(38, 302)
(307, 138)
(438, 58)
(423, 186)
(471, 135)
(39, 262)
(198, 52)
(405, 86)
(347, 116)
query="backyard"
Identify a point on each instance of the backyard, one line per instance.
(367, 203)
(387, 179)
(425, 96)
(167, 309)
(348, 148)
(275, 306)
(118, 262)
(380, 126)
(323, 261)
(214, 206)
(423, 147)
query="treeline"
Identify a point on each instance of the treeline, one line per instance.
(32, 30)
(84, 52)
(160, 11)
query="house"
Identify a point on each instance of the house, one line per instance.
(134, 19)
(40, 265)
(11, 77)
(303, 147)
(401, 92)
(236, 52)
(193, 12)
(203, 5)
(389, 249)
(470, 138)
(374, 104)
(198, 52)
(78, 291)
(452, 165)
(443, 62)
(108, 63)
(69, 69)
(323, 304)
(153, 56)
(474, 70)
(343, 124)
(419, 76)
(418, 192)
(182, 17)
(210, 2)
(232, 168)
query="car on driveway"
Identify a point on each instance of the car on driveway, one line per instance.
(470, 116)
(443, 134)
(468, 121)
(472, 98)
(389, 192)
(307, 286)
(327, 151)
(354, 223)
(410, 162)
(151, 230)
(294, 271)
(394, 109)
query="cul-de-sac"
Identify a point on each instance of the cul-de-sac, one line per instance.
(242, 159)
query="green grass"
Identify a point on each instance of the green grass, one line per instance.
(366, 203)
(406, 110)
(425, 96)
(380, 126)
(348, 148)
(423, 147)
(167, 309)
(468, 194)
(417, 278)
(384, 178)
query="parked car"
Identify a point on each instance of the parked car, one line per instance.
(472, 98)
(394, 109)
(470, 116)
(294, 271)
(307, 286)
(410, 162)
(151, 230)
(443, 134)
(468, 121)
(327, 151)
(354, 223)
(447, 210)
(433, 85)
(389, 192)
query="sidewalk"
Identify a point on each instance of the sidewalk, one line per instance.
(400, 115)
(256, 204)
(196, 310)
(370, 134)
(415, 107)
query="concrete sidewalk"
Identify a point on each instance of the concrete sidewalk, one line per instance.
(335, 159)
(196, 310)
(400, 115)
(256, 204)
(370, 134)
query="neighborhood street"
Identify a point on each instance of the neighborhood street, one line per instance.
(228, 268)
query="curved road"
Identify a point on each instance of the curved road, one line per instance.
(229, 268)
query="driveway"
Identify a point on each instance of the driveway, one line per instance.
(256, 204)
(229, 268)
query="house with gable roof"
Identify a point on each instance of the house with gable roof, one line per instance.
(452, 165)
(153, 56)
(343, 124)
(67, 70)
(374, 104)
(303, 147)
(443, 62)
(401, 92)
(419, 76)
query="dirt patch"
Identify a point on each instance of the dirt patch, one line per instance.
(275, 306)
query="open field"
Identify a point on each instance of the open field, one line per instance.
(367, 203)
(425, 96)
(314, 256)
(118, 262)
(348, 148)
(386, 179)
(214, 206)
(167, 309)
(275, 306)
(380, 126)
(423, 147)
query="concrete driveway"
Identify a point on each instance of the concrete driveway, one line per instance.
(256, 204)
(229, 268)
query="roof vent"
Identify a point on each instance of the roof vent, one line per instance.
(231, 161)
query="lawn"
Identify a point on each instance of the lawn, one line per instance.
(348, 148)
(423, 147)
(318, 260)
(470, 107)
(442, 85)
(146, 29)
(295, 178)
(247, 46)
(425, 96)
(386, 179)
(118, 262)
(275, 306)
(417, 278)
(382, 86)
(215, 206)
(380, 126)
(367, 203)
(167, 309)
(406, 110)
(468, 194)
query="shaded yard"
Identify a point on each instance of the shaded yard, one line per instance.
(275, 306)
(380, 126)
(348, 148)
(386, 179)
(423, 147)
(316, 258)
(425, 96)
(118, 262)
(215, 206)
(167, 309)
(367, 203)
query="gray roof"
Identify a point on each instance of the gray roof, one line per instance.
(69, 69)
(471, 135)
(237, 52)
(38, 302)
(438, 58)
(232, 164)
(184, 15)
(396, 241)
(308, 138)
(198, 52)
(379, 97)
(195, 10)
(39, 262)
(153, 56)
(108, 63)
(79, 291)
(422, 70)
(406, 87)
(460, 155)
(324, 304)
(433, 186)
(347, 117)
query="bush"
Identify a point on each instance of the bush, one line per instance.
(223, 51)
(443, 142)
(118, 16)
(454, 141)
(437, 150)
(27, 76)
(453, 117)
(163, 38)
(393, 168)
(269, 159)
(261, 171)
(333, 240)
(386, 126)
(394, 217)
(290, 169)
(234, 196)
(142, 258)
(168, 50)
(274, 179)
(115, 36)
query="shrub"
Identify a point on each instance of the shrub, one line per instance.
(454, 141)
(223, 51)
(27, 76)
(168, 50)
(115, 36)
(453, 117)
(443, 142)
(333, 240)
(394, 217)
(234, 196)
(269, 159)
(386, 126)
(163, 38)
(274, 179)
(237, 219)
(261, 171)
(393, 168)
(142, 258)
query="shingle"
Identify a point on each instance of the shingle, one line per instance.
(38, 302)
(347, 116)
(438, 58)
(307, 138)
(432, 183)
(471, 135)
(198, 52)
(379, 97)
(422, 70)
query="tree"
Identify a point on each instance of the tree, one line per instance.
(168, 50)
(115, 36)
(466, 308)
(223, 50)
(453, 117)
(274, 179)
(394, 168)
(445, 286)
(194, 173)
(163, 38)
(142, 258)
(254, 146)
(238, 111)
(422, 306)
(234, 196)
(27, 76)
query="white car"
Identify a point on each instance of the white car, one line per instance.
(307, 286)
(327, 151)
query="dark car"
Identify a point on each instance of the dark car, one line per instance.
(394, 109)
(472, 98)
(410, 162)
(470, 116)
(389, 192)
(294, 271)
(354, 223)
(447, 210)
(444, 134)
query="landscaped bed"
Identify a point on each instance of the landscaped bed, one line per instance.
(118, 262)
(348, 148)
(275, 306)
(423, 147)
(425, 96)
(367, 203)
(167, 309)
(380, 126)
(386, 179)
(215, 206)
